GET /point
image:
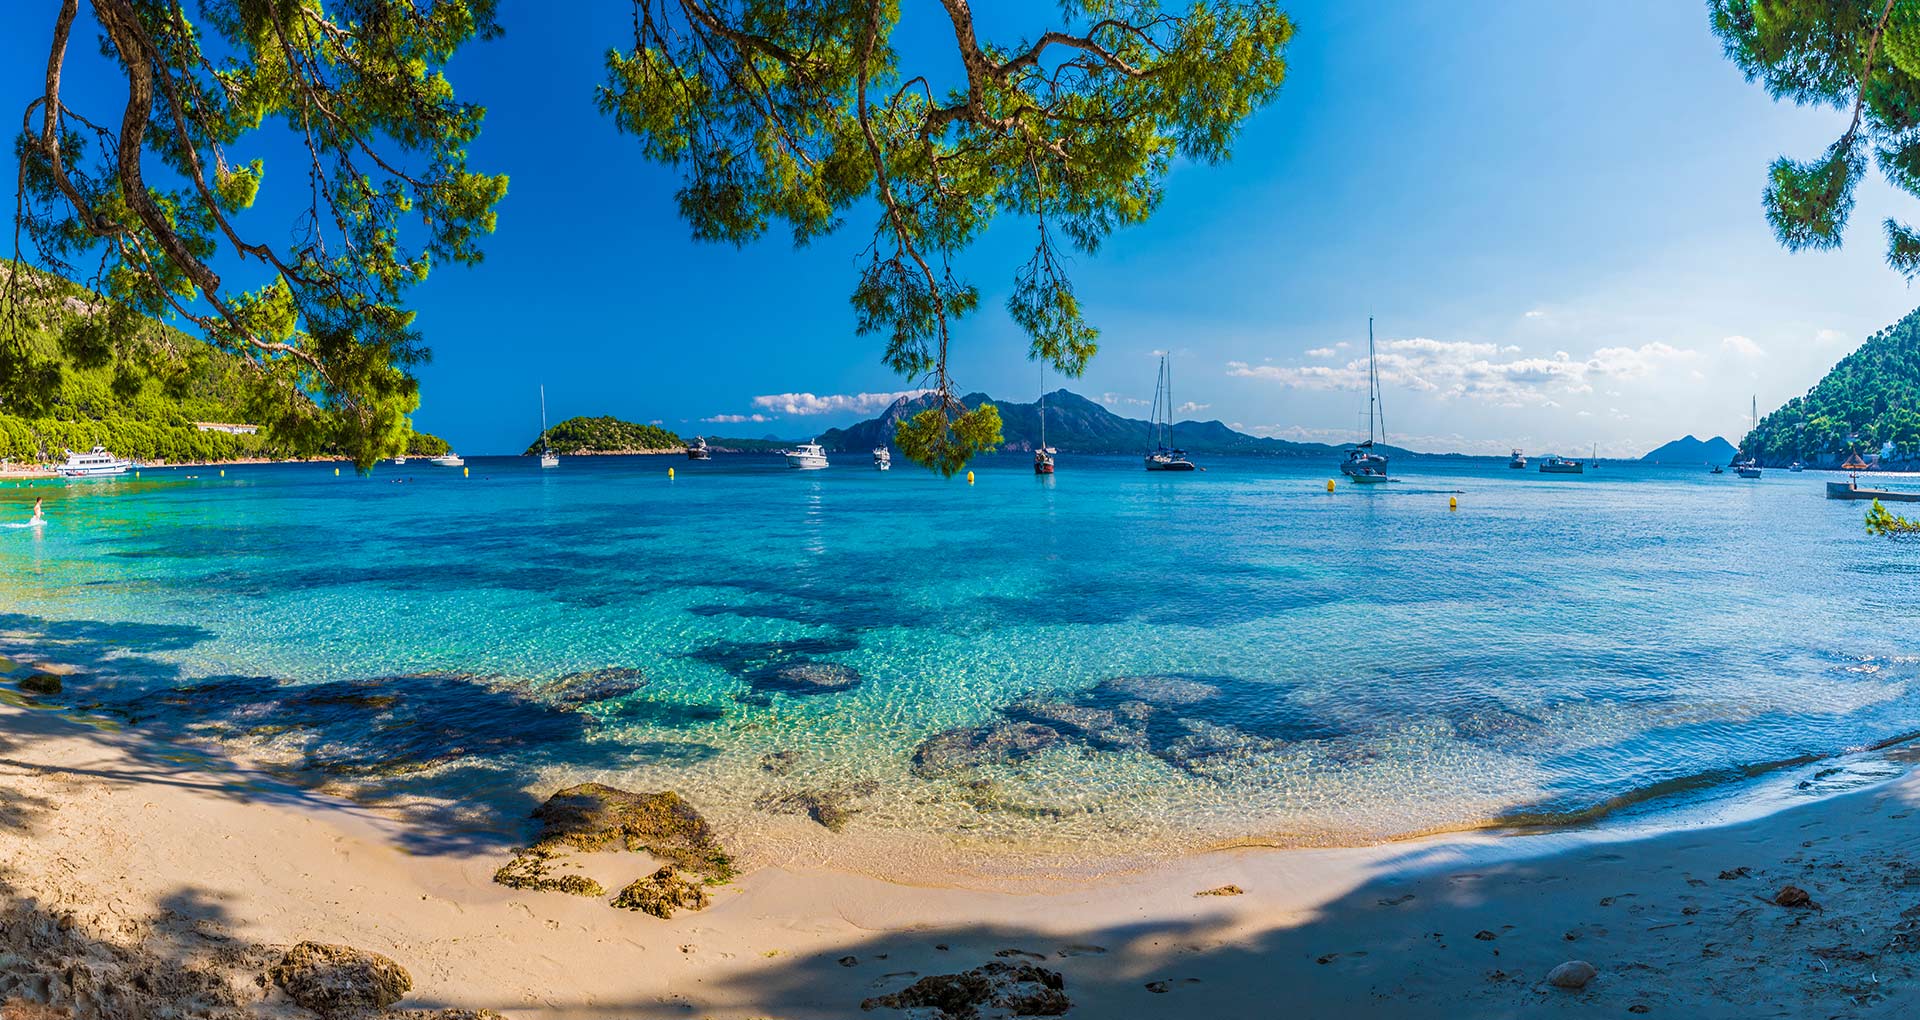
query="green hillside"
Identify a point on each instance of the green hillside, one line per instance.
(606, 435)
(141, 403)
(1870, 398)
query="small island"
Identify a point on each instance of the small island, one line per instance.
(606, 436)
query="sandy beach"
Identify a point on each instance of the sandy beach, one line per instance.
(139, 873)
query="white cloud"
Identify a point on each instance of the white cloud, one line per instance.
(832, 403)
(1474, 370)
(1536, 313)
(1121, 400)
(1321, 352)
(1743, 346)
(1191, 408)
(1829, 337)
(734, 419)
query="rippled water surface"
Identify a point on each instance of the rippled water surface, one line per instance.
(1104, 661)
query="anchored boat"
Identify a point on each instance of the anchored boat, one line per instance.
(1362, 464)
(1561, 466)
(95, 463)
(1518, 461)
(698, 450)
(807, 457)
(1163, 455)
(547, 459)
(882, 458)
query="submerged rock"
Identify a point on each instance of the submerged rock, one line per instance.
(1793, 896)
(40, 683)
(334, 979)
(662, 892)
(1162, 691)
(802, 679)
(828, 807)
(593, 685)
(779, 762)
(1020, 989)
(973, 746)
(1572, 975)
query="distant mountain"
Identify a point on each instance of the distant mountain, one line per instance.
(1076, 425)
(1693, 451)
(1871, 398)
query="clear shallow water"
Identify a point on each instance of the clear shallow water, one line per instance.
(1105, 663)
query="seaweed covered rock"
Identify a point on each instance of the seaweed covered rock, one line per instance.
(973, 746)
(831, 807)
(594, 685)
(1020, 989)
(594, 817)
(532, 868)
(662, 892)
(802, 679)
(339, 980)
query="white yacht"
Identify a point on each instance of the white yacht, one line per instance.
(807, 457)
(882, 458)
(547, 459)
(95, 463)
(448, 459)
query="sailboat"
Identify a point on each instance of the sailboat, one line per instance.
(1043, 454)
(1362, 464)
(1163, 456)
(1750, 468)
(547, 459)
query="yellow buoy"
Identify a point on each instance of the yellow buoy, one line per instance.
(466, 472)
(223, 472)
(336, 472)
(669, 474)
(1329, 485)
(1452, 503)
(969, 478)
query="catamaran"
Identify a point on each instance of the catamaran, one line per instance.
(1163, 455)
(95, 463)
(1362, 464)
(547, 459)
(1043, 454)
(807, 457)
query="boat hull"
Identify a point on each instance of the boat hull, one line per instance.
(1562, 469)
(806, 463)
(1160, 465)
(94, 472)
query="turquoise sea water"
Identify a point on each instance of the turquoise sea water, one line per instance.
(1100, 663)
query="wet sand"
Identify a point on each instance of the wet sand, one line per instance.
(164, 858)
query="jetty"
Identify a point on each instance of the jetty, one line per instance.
(1852, 490)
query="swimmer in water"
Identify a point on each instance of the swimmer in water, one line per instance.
(38, 517)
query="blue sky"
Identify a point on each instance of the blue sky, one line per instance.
(1551, 211)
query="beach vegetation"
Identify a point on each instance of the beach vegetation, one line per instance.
(1881, 521)
(1866, 401)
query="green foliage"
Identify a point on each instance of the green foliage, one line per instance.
(1858, 55)
(322, 327)
(605, 435)
(794, 113)
(1872, 394)
(1881, 521)
(945, 442)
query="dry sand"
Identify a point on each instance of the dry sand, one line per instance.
(165, 859)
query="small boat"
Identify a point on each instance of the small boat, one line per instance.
(697, 450)
(807, 457)
(1717, 470)
(1561, 466)
(1164, 456)
(547, 459)
(1595, 463)
(448, 459)
(95, 463)
(882, 459)
(1043, 454)
(399, 462)
(1363, 465)
(1518, 461)
(1796, 466)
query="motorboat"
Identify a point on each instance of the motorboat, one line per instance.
(1796, 466)
(448, 459)
(807, 457)
(882, 459)
(1518, 461)
(1561, 466)
(697, 450)
(95, 463)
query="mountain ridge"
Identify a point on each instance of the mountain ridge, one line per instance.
(1691, 450)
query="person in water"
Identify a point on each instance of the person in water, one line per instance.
(38, 517)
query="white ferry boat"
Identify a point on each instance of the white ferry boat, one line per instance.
(807, 457)
(95, 463)
(448, 459)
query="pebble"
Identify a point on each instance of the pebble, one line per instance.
(1573, 974)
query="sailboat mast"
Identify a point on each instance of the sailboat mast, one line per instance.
(1373, 386)
(1043, 407)
(1167, 369)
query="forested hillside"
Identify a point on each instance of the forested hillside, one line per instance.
(1872, 397)
(606, 435)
